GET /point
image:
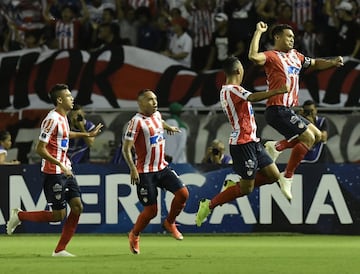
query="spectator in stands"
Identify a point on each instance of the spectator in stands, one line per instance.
(128, 25)
(150, 5)
(201, 27)
(96, 9)
(176, 144)
(67, 29)
(215, 154)
(5, 145)
(242, 20)
(163, 26)
(79, 148)
(223, 45)
(348, 44)
(179, 6)
(108, 17)
(23, 15)
(267, 10)
(310, 40)
(284, 16)
(148, 34)
(318, 152)
(220, 45)
(302, 11)
(29, 39)
(109, 35)
(181, 44)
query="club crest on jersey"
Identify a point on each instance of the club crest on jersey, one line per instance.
(234, 134)
(156, 139)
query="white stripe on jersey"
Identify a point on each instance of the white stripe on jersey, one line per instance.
(55, 132)
(240, 114)
(290, 60)
(148, 136)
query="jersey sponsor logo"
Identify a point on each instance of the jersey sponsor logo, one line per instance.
(64, 143)
(293, 70)
(156, 139)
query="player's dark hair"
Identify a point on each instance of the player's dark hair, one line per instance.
(229, 65)
(278, 29)
(3, 135)
(308, 103)
(142, 92)
(55, 92)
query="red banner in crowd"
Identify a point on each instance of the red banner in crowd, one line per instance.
(27, 75)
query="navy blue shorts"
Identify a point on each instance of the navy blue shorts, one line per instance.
(249, 158)
(286, 121)
(60, 189)
(149, 182)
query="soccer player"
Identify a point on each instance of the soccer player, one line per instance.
(282, 66)
(250, 159)
(60, 185)
(145, 133)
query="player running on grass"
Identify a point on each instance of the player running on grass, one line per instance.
(60, 185)
(145, 132)
(282, 66)
(250, 159)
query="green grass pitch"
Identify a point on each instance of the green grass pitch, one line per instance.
(197, 253)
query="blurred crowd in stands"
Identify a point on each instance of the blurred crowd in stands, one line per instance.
(205, 32)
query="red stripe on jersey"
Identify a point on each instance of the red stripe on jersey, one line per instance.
(55, 132)
(240, 114)
(283, 69)
(147, 134)
(67, 34)
(302, 11)
(201, 26)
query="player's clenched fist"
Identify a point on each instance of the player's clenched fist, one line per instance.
(261, 26)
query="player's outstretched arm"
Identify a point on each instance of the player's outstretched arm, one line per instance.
(321, 63)
(254, 55)
(262, 95)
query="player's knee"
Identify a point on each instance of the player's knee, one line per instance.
(308, 138)
(58, 215)
(247, 189)
(317, 137)
(151, 211)
(182, 194)
(77, 208)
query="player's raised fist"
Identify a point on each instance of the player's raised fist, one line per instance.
(261, 26)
